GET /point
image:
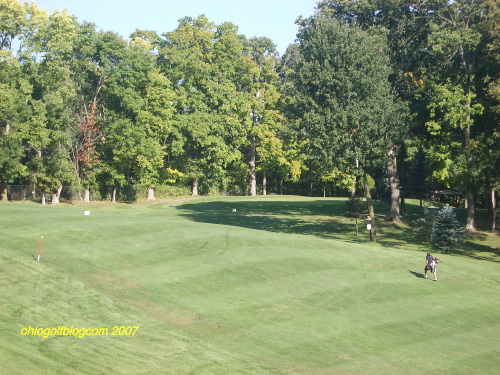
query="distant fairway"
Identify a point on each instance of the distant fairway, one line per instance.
(282, 286)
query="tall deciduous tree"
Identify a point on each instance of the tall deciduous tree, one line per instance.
(225, 84)
(417, 176)
(261, 87)
(406, 27)
(201, 60)
(140, 105)
(490, 141)
(456, 41)
(14, 94)
(348, 113)
(96, 59)
(47, 54)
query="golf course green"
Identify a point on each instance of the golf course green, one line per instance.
(238, 285)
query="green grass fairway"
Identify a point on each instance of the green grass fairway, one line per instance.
(282, 286)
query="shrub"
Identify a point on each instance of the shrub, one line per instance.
(425, 224)
(355, 208)
(446, 230)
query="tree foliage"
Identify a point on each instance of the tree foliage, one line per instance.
(344, 96)
(366, 84)
(446, 230)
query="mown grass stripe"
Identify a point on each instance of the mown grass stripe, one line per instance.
(269, 290)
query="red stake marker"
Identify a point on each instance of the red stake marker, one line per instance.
(40, 248)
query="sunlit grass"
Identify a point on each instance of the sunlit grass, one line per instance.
(281, 286)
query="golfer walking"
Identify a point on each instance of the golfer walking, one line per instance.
(430, 265)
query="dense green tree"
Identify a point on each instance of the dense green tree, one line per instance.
(348, 113)
(140, 107)
(406, 26)
(225, 84)
(13, 21)
(201, 60)
(207, 151)
(489, 159)
(417, 176)
(14, 92)
(266, 121)
(90, 70)
(492, 29)
(446, 39)
(82, 109)
(456, 42)
(46, 55)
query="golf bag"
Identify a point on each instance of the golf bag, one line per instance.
(432, 265)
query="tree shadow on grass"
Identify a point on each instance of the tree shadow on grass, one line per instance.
(315, 217)
(323, 218)
(473, 249)
(397, 235)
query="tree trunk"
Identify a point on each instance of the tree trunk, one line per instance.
(355, 180)
(251, 163)
(264, 184)
(151, 194)
(194, 190)
(357, 230)
(371, 210)
(3, 184)
(56, 196)
(43, 198)
(493, 211)
(470, 196)
(470, 225)
(402, 174)
(469, 161)
(281, 186)
(393, 214)
(113, 196)
(86, 196)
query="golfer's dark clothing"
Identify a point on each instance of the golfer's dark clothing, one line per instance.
(428, 264)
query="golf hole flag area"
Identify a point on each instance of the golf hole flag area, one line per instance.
(269, 285)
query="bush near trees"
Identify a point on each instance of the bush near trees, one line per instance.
(89, 111)
(446, 230)
(355, 208)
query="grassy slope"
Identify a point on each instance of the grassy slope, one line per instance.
(279, 287)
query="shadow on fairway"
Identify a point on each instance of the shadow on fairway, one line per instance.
(392, 235)
(475, 250)
(317, 217)
(314, 217)
(417, 274)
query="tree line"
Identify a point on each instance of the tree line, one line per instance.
(383, 97)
